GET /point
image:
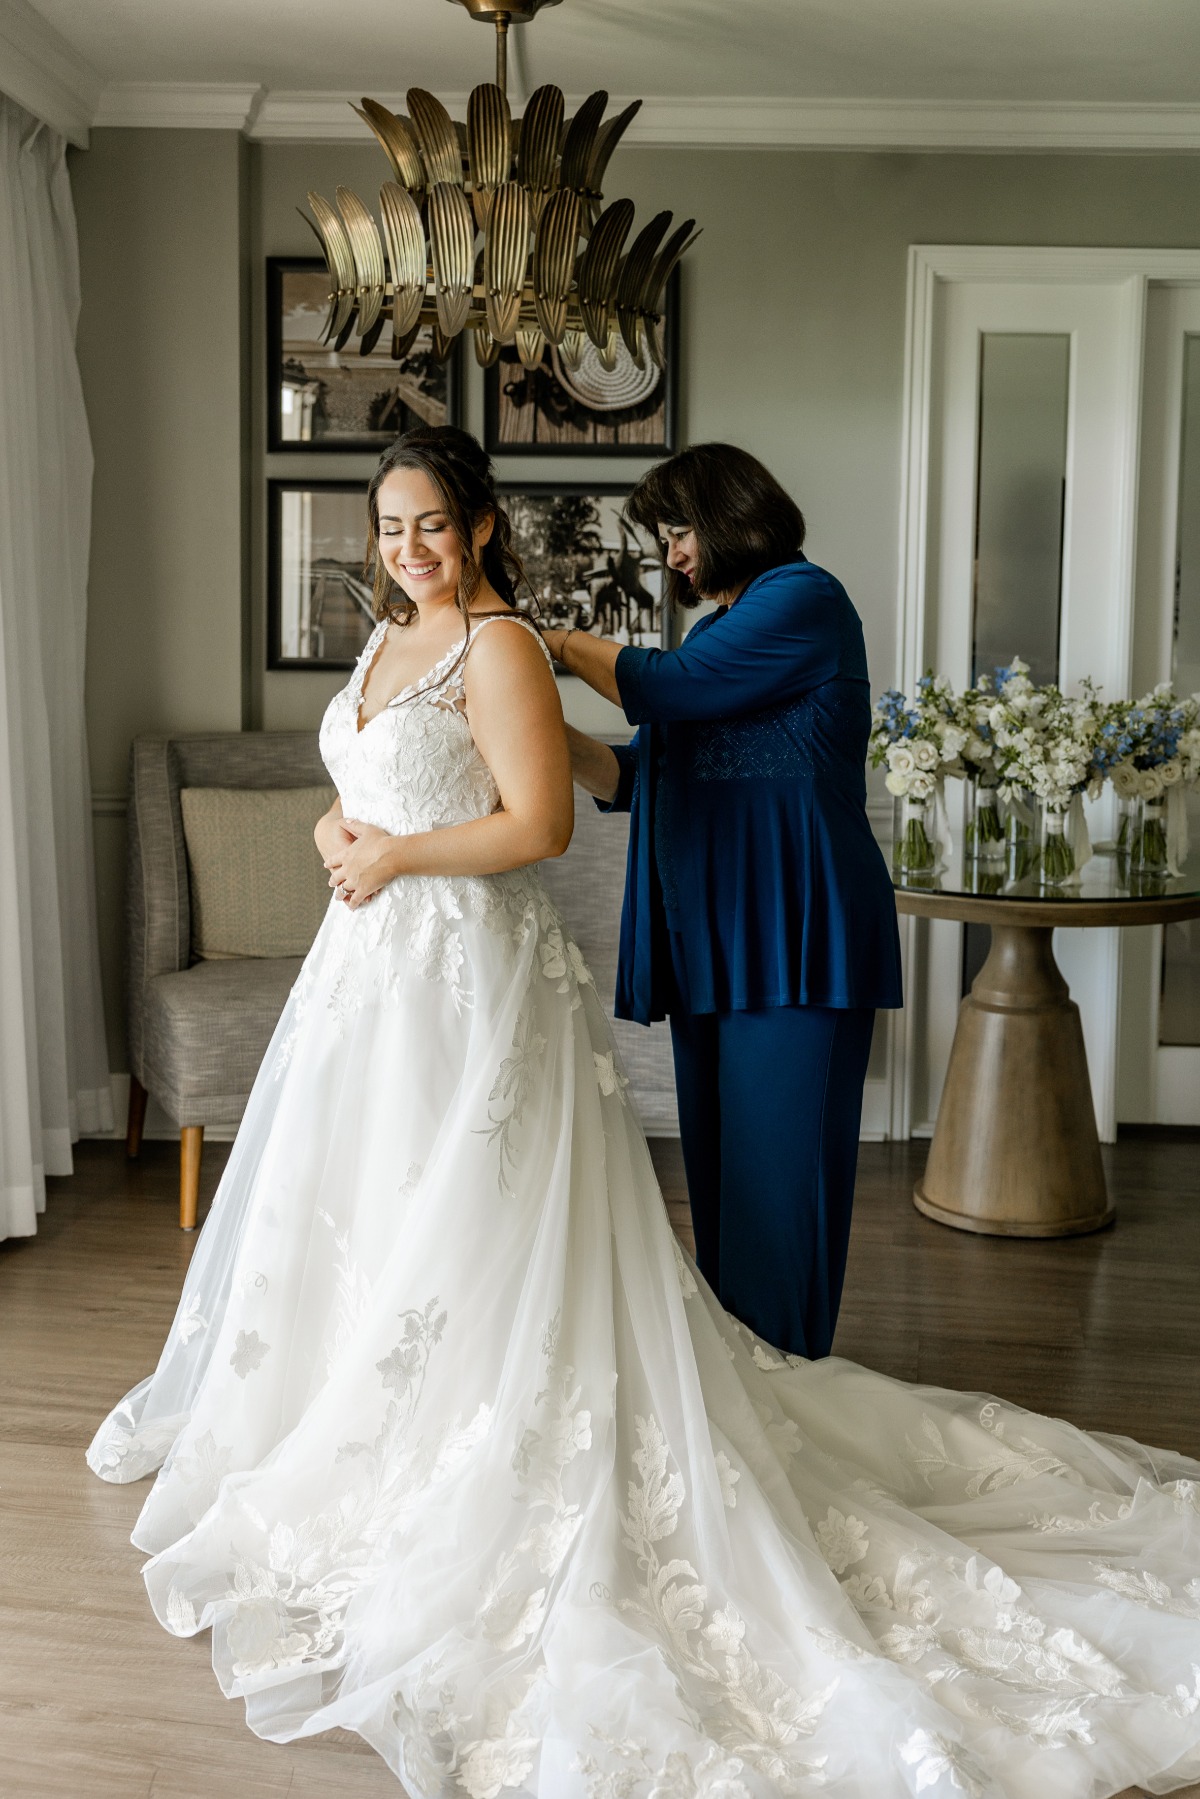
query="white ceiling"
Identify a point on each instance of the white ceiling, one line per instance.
(1097, 50)
(906, 73)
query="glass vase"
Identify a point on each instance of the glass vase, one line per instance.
(984, 832)
(1056, 858)
(1020, 838)
(914, 842)
(1148, 838)
(1126, 811)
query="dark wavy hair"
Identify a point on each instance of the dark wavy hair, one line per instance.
(462, 473)
(743, 520)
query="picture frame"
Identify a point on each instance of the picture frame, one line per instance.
(322, 399)
(590, 569)
(318, 600)
(547, 411)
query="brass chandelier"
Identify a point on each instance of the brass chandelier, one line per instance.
(499, 228)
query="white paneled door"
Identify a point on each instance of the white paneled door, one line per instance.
(1023, 440)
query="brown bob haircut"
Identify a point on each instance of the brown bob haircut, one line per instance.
(743, 520)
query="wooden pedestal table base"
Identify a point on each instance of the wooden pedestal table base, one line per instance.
(1015, 1151)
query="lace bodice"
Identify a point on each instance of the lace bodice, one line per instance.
(414, 766)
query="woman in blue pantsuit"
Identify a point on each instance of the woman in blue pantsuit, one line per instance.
(758, 914)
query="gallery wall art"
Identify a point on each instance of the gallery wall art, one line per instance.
(321, 398)
(318, 598)
(554, 410)
(589, 568)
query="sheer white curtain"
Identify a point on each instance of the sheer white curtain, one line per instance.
(53, 1060)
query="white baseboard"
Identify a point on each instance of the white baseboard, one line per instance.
(161, 1129)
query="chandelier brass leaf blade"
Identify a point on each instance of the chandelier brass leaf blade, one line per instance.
(489, 145)
(598, 269)
(580, 142)
(452, 241)
(331, 235)
(505, 255)
(571, 349)
(487, 350)
(637, 265)
(541, 134)
(531, 345)
(367, 250)
(607, 353)
(404, 235)
(436, 137)
(654, 291)
(398, 143)
(606, 142)
(555, 243)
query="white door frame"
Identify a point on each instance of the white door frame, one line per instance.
(1158, 1083)
(930, 268)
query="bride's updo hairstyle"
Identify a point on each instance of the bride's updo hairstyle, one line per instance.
(743, 520)
(461, 472)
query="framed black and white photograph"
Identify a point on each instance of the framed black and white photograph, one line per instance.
(318, 599)
(590, 411)
(320, 398)
(589, 568)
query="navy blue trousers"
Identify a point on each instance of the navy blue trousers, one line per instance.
(769, 1110)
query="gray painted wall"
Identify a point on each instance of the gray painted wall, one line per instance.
(793, 345)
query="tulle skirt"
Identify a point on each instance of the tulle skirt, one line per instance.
(457, 1450)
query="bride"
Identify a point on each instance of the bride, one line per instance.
(457, 1450)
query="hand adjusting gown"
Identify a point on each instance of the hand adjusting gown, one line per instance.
(456, 1450)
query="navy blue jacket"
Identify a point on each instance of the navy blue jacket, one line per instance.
(752, 747)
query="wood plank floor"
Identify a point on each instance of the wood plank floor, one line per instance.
(95, 1700)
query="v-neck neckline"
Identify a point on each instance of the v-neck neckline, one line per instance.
(414, 687)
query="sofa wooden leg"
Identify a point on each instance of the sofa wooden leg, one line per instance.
(136, 1120)
(191, 1143)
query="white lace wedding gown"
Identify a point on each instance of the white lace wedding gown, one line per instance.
(458, 1451)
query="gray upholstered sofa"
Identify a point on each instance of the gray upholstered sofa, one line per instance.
(199, 1029)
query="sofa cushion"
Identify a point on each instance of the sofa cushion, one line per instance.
(206, 1031)
(257, 884)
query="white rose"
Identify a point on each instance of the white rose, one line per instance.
(1150, 784)
(925, 755)
(900, 759)
(922, 786)
(954, 742)
(1171, 772)
(1125, 781)
(896, 783)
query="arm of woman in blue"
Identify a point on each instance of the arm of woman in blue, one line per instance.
(779, 640)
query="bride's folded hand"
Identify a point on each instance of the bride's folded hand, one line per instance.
(368, 864)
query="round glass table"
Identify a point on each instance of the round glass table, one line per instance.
(1015, 1151)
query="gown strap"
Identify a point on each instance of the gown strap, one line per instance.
(453, 686)
(516, 618)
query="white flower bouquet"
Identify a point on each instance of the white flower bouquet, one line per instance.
(919, 741)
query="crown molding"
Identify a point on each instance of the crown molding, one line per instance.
(764, 123)
(179, 105)
(42, 73)
(696, 122)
